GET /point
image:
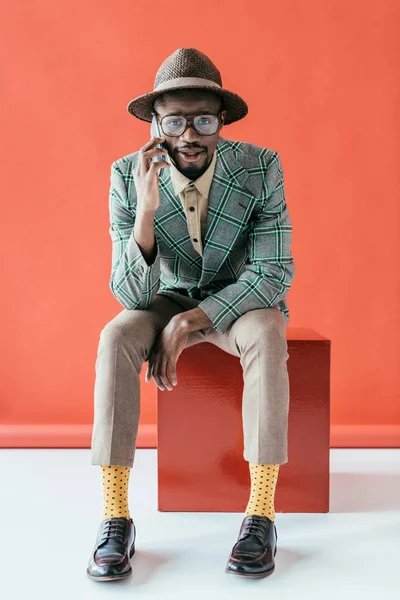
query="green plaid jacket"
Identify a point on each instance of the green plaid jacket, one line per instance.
(246, 263)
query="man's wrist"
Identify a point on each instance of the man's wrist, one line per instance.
(192, 320)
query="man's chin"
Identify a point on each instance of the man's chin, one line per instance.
(192, 169)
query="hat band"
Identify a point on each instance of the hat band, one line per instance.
(183, 81)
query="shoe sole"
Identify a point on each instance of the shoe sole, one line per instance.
(113, 577)
(250, 575)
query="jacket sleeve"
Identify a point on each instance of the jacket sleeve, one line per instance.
(269, 269)
(133, 282)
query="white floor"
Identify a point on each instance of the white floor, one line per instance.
(51, 502)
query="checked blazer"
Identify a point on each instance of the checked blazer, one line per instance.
(246, 263)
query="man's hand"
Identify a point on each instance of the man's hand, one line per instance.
(165, 353)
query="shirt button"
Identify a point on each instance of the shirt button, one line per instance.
(195, 240)
(191, 208)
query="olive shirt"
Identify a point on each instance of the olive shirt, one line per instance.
(194, 198)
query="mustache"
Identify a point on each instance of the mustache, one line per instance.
(191, 148)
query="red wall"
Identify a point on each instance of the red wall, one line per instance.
(321, 81)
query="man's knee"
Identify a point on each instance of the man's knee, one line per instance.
(264, 325)
(126, 325)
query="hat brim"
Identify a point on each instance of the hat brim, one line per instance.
(236, 108)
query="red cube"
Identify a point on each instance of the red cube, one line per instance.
(200, 437)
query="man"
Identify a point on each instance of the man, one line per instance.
(200, 252)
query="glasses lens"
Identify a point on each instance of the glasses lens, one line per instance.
(206, 124)
(173, 125)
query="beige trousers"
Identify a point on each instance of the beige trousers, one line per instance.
(257, 337)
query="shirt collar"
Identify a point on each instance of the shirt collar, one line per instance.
(202, 183)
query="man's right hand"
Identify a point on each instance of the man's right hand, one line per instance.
(146, 176)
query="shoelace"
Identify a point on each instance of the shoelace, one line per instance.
(255, 525)
(113, 529)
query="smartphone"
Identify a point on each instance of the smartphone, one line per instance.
(155, 131)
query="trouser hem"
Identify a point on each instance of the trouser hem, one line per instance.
(269, 459)
(117, 461)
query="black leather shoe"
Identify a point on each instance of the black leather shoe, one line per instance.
(253, 554)
(115, 545)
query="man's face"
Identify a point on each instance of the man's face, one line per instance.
(189, 104)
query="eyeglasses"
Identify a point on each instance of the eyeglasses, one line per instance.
(175, 125)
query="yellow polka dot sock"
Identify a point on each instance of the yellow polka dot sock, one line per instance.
(115, 491)
(262, 493)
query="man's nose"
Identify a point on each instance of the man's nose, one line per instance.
(190, 135)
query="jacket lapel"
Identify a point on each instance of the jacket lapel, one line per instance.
(230, 204)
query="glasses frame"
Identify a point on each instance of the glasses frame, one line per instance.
(191, 121)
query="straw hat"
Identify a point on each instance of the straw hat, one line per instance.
(183, 69)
